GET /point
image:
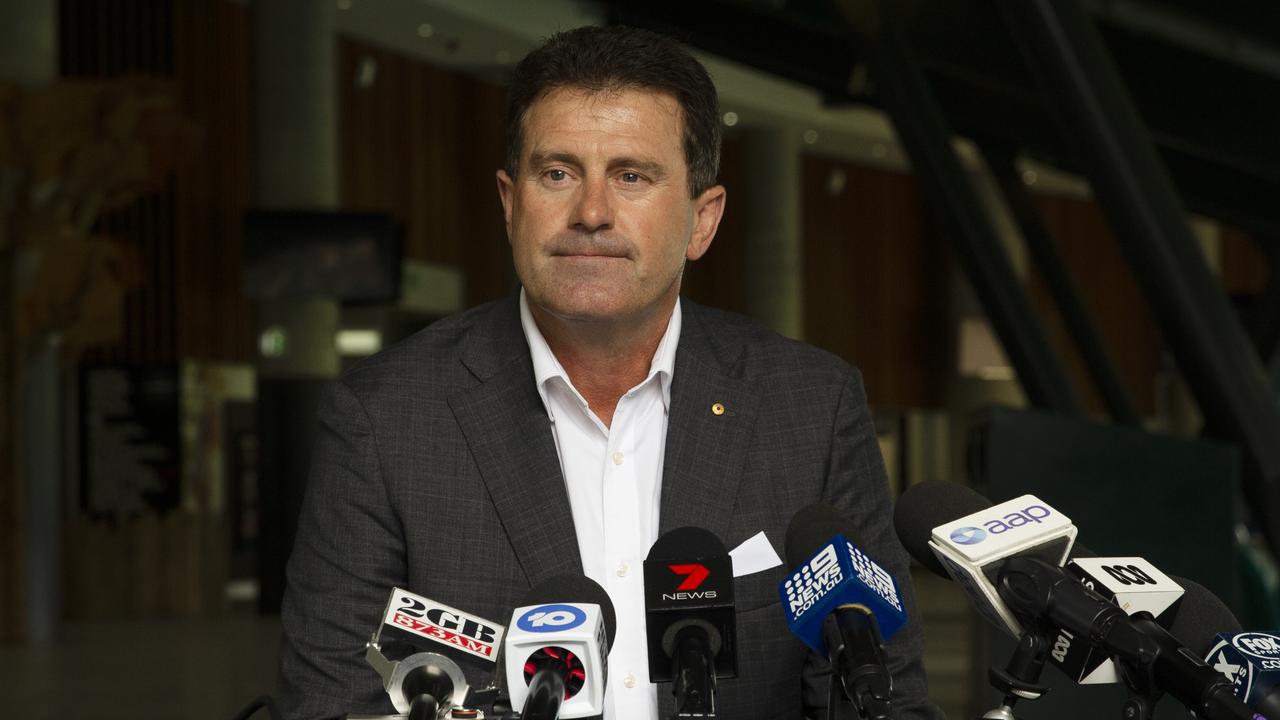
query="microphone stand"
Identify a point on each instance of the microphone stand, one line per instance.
(546, 693)
(694, 684)
(856, 652)
(1020, 678)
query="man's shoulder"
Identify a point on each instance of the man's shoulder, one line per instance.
(429, 359)
(756, 351)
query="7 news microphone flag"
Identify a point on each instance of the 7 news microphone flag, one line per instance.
(689, 617)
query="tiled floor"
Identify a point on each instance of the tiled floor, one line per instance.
(133, 670)
(209, 670)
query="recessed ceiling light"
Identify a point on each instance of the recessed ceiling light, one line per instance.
(1029, 177)
(426, 30)
(731, 118)
(810, 137)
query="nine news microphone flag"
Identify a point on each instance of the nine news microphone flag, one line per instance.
(843, 605)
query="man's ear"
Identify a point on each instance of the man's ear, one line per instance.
(506, 193)
(708, 208)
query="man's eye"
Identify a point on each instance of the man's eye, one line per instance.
(556, 175)
(630, 177)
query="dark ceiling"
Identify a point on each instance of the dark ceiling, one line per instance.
(1204, 76)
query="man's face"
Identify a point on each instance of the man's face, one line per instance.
(600, 218)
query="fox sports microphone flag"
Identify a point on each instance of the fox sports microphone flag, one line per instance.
(1251, 661)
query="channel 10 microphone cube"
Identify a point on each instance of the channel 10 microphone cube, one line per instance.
(573, 634)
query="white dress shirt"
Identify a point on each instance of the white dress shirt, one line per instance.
(613, 476)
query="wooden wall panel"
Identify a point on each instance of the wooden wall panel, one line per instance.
(189, 304)
(875, 280)
(213, 67)
(716, 279)
(188, 236)
(1111, 296)
(423, 143)
(1245, 268)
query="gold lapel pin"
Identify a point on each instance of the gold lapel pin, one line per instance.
(717, 409)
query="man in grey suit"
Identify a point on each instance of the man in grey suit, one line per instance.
(562, 430)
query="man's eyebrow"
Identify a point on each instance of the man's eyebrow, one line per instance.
(648, 167)
(540, 157)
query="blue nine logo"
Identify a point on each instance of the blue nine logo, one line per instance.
(551, 618)
(968, 535)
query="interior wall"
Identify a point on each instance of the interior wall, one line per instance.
(422, 143)
(875, 279)
(188, 304)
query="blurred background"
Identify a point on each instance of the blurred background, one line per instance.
(1044, 230)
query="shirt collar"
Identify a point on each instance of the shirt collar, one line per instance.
(547, 367)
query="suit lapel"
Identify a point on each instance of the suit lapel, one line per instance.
(706, 450)
(509, 434)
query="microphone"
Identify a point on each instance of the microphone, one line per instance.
(557, 647)
(843, 605)
(958, 533)
(424, 683)
(1131, 584)
(1250, 660)
(1021, 544)
(1153, 659)
(689, 617)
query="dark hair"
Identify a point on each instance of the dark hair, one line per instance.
(600, 59)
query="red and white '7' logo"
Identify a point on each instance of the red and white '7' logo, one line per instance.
(694, 575)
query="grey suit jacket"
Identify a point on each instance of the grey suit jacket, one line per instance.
(435, 470)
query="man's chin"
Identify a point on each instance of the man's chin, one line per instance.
(588, 308)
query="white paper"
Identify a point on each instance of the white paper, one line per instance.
(755, 554)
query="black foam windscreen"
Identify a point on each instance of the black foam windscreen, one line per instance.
(574, 589)
(811, 528)
(923, 507)
(686, 542)
(1078, 550)
(1201, 616)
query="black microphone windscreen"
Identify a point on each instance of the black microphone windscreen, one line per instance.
(686, 542)
(923, 507)
(811, 528)
(574, 589)
(1078, 550)
(1201, 616)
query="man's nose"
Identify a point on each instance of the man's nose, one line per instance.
(594, 209)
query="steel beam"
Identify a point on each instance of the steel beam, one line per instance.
(1131, 184)
(1044, 252)
(924, 132)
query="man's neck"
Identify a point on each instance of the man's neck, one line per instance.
(603, 360)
